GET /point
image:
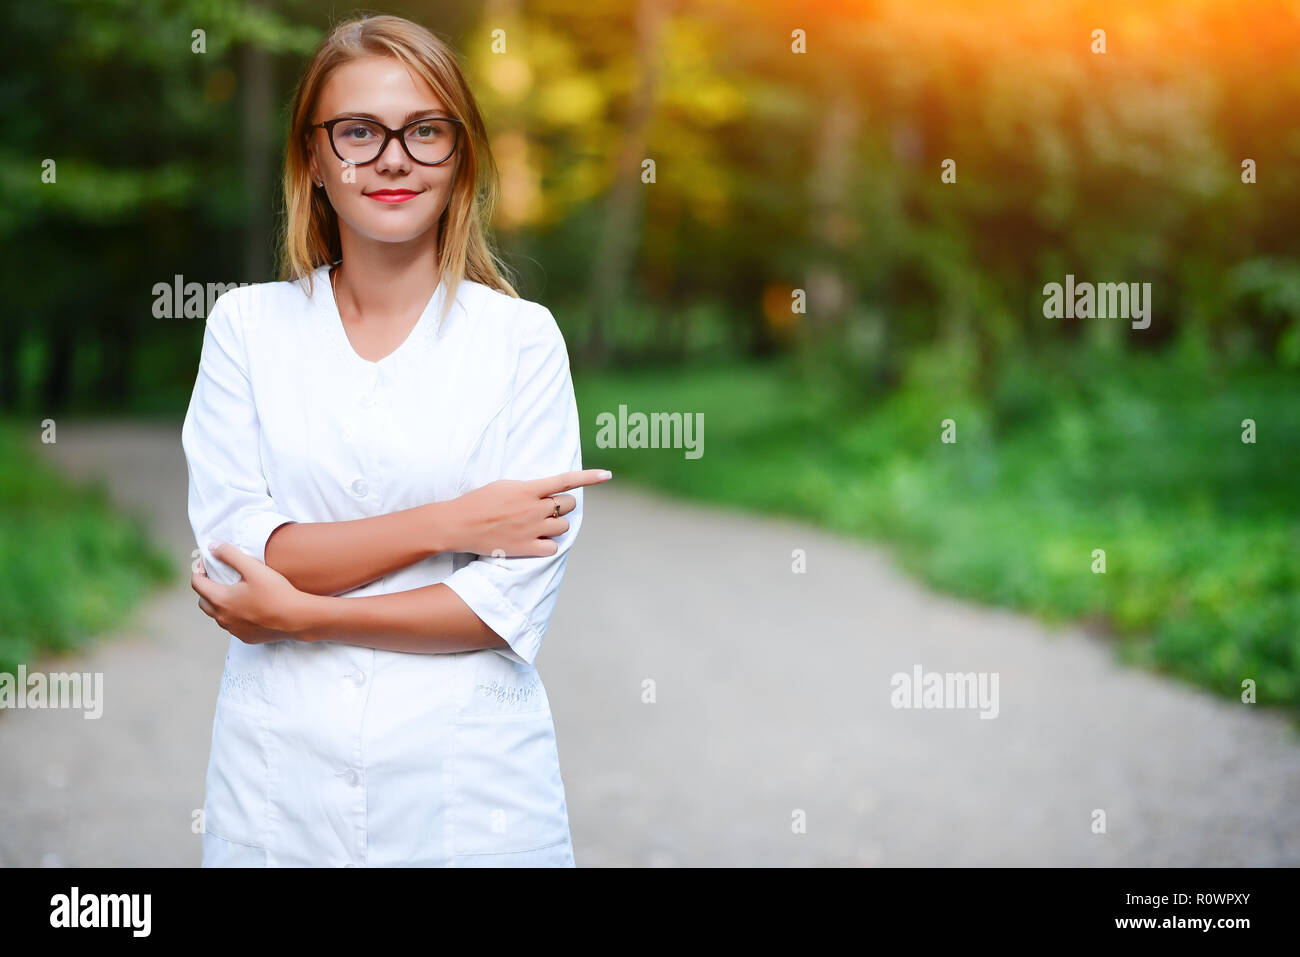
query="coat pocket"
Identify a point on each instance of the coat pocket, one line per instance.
(246, 680)
(494, 686)
(237, 801)
(507, 794)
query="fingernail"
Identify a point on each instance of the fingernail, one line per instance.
(605, 473)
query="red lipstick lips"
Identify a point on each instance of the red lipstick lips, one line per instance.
(393, 195)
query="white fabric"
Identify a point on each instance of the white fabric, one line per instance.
(332, 754)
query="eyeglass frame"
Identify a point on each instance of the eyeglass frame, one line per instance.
(389, 135)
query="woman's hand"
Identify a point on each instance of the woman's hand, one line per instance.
(263, 607)
(511, 518)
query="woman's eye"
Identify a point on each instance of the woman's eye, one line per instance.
(361, 131)
(428, 130)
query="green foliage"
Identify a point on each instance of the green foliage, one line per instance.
(73, 567)
(775, 170)
(1078, 450)
(1268, 290)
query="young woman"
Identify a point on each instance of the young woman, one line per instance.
(384, 483)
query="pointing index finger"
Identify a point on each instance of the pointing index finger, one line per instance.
(570, 480)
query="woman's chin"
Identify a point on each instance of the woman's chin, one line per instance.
(393, 232)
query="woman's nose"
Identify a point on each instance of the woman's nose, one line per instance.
(394, 156)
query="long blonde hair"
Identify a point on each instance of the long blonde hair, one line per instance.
(310, 236)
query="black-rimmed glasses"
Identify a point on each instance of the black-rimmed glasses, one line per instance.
(356, 141)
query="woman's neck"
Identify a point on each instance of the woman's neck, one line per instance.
(385, 281)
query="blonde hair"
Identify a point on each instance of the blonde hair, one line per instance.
(310, 235)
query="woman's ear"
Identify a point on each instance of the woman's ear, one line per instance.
(312, 171)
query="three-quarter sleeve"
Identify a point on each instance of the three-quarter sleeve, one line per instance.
(516, 596)
(229, 500)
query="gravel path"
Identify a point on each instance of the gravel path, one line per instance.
(771, 706)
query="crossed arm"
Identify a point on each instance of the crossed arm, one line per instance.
(294, 594)
(292, 574)
(329, 558)
(322, 559)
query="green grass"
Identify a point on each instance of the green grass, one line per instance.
(71, 567)
(1140, 456)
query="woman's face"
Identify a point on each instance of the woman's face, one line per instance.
(380, 87)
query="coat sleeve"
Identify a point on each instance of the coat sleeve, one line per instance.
(229, 500)
(516, 596)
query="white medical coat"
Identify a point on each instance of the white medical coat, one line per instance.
(332, 754)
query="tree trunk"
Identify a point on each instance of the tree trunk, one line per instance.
(619, 235)
(258, 109)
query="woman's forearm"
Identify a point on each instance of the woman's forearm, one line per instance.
(430, 620)
(327, 558)
(508, 517)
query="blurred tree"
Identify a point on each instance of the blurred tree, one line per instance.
(125, 169)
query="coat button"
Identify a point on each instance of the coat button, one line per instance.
(359, 678)
(352, 778)
(359, 488)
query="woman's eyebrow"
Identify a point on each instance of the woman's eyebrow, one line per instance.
(414, 114)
